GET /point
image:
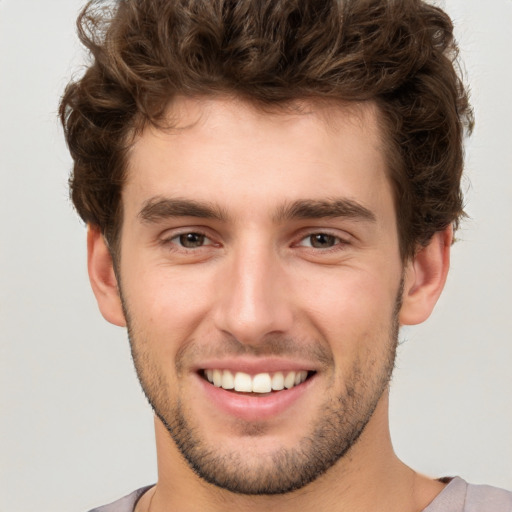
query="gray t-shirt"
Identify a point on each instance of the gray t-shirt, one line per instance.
(457, 496)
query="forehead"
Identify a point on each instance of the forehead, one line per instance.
(235, 154)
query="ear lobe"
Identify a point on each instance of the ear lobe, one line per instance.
(102, 277)
(425, 277)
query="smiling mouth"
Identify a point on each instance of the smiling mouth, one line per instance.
(260, 383)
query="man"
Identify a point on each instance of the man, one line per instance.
(271, 190)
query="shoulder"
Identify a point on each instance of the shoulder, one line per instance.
(484, 497)
(459, 496)
(126, 504)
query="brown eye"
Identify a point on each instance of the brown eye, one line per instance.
(322, 241)
(191, 240)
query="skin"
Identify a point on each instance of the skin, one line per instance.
(257, 288)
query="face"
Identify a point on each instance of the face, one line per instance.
(261, 282)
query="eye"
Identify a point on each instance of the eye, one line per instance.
(191, 240)
(320, 241)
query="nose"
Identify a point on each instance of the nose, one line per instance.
(253, 300)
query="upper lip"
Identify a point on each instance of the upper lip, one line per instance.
(253, 366)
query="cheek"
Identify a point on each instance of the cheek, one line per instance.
(168, 301)
(354, 290)
(352, 311)
(164, 311)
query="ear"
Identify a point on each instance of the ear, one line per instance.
(102, 277)
(425, 277)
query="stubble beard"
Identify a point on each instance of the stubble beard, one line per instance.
(342, 421)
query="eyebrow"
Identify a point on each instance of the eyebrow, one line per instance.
(322, 209)
(160, 208)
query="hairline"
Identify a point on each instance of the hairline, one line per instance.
(321, 104)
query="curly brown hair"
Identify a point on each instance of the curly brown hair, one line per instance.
(400, 54)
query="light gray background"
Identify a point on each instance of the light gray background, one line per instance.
(75, 429)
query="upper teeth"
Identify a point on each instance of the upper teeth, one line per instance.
(260, 383)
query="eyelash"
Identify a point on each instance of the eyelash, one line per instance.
(338, 242)
(176, 243)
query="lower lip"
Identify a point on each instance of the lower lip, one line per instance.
(254, 408)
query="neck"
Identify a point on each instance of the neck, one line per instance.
(368, 477)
